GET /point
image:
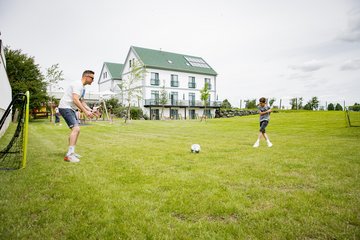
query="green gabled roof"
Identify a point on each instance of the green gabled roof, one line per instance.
(160, 60)
(115, 69)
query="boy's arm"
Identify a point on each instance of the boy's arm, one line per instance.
(266, 112)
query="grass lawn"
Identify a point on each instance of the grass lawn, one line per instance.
(140, 181)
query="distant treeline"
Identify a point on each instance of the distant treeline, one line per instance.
(295, 104)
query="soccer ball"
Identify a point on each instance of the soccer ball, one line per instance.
(195, 148)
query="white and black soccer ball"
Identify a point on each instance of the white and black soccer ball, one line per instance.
(195, 148)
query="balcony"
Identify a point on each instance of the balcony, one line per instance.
(181, 103)
(155, 82)
(192, 85)
(174, 83)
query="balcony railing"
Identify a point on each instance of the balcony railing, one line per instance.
(181, 103)
(175, 83)
(155, 82)
(192, 85)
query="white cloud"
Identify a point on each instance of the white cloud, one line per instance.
(352, 33)
(310, 66)
(353, 64)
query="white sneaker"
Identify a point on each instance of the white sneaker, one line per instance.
(269, 144)
(256, 144)
(71, 158)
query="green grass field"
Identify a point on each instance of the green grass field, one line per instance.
(140, 181)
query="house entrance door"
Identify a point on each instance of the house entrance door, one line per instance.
(192, 113)
(155, 114)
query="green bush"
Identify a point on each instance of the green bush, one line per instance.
(355, 107)
(112, 102)
(120, 112)
(331, 107)
(136, 113)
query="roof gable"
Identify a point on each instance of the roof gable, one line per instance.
(172, 61)
(115, 69)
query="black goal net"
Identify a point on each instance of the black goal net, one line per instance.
(13, 143)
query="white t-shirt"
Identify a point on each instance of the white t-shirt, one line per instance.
(67, 100)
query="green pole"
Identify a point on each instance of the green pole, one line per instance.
(26, 129)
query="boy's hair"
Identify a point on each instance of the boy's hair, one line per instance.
(87, 72)
(262, 100)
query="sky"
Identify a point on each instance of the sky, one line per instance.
(275, 49)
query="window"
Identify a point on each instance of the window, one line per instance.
(174, 80)
(207, 113)
(192, 83)
(174, 114)
(174, 98)
(197, 62)
(131, 62)
(191, 99)
(154, 79)
(154, 97)
(207, 80)
(104, 75)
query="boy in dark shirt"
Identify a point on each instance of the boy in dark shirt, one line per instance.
(264, 111)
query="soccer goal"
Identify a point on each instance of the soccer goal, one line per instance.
(352, 118)
(13, 155)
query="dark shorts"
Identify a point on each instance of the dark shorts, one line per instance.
(69, 116)
(263, 125)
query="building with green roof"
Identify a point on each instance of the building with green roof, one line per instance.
(181, 76)
(110, 76)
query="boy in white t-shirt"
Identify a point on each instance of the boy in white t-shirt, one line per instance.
(72, 101)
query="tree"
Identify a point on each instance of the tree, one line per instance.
(204, 95)
(250, 104)
(314, 103)
(53, 76)
(226, 104)
(163, 99)
(296, 103)
(271, 101)
(338, 107)
(300, 103)
(308, 106)
(330, 107)
(131, 87)
(293, 103)
(24, 75)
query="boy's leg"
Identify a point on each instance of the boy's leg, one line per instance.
(257, 143)
(267, 140)
(263, 126)
(263, 131)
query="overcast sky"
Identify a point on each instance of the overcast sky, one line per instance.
(278, 49)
